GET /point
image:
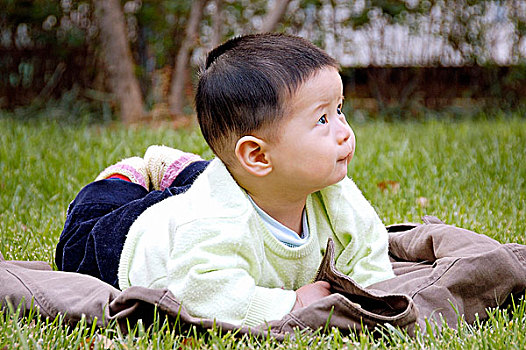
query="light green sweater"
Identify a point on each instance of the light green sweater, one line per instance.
(215, 254)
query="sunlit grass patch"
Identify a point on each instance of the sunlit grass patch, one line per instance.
(468, 173)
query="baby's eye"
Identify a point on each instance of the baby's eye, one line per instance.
(323, 119)
(339, 109)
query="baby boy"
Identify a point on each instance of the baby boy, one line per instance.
(244, 238)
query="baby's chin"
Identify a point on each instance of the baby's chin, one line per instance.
(340, 178)
(333, 182)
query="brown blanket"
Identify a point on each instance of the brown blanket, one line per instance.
(442, 272)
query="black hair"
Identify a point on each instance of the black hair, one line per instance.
(245, 81)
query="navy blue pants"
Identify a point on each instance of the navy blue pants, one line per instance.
(99, 218)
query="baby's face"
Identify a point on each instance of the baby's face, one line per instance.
(316, 144)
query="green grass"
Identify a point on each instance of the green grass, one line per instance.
(471, 174)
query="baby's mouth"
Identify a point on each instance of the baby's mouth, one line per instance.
(344, 159)
(348, 157)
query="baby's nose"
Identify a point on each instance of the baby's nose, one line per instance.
(345, 131)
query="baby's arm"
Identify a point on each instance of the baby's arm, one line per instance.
(310, 293)
(360, 238)
(217, 273)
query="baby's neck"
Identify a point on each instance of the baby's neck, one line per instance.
(288, 213)
(284, 205)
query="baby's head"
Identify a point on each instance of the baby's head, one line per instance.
(246, 84)
(251, 86)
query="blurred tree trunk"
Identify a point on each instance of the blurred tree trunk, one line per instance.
(118, 59)
(273, 17)
(179, 76)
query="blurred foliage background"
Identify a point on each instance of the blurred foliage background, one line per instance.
(137, 60)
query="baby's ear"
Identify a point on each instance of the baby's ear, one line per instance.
(251, 154)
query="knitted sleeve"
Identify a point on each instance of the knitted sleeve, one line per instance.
(214, 272)
(361, 239)
(220, 276)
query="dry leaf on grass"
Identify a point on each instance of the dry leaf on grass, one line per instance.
(389, 185)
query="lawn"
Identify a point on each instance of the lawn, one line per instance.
(468, 173)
